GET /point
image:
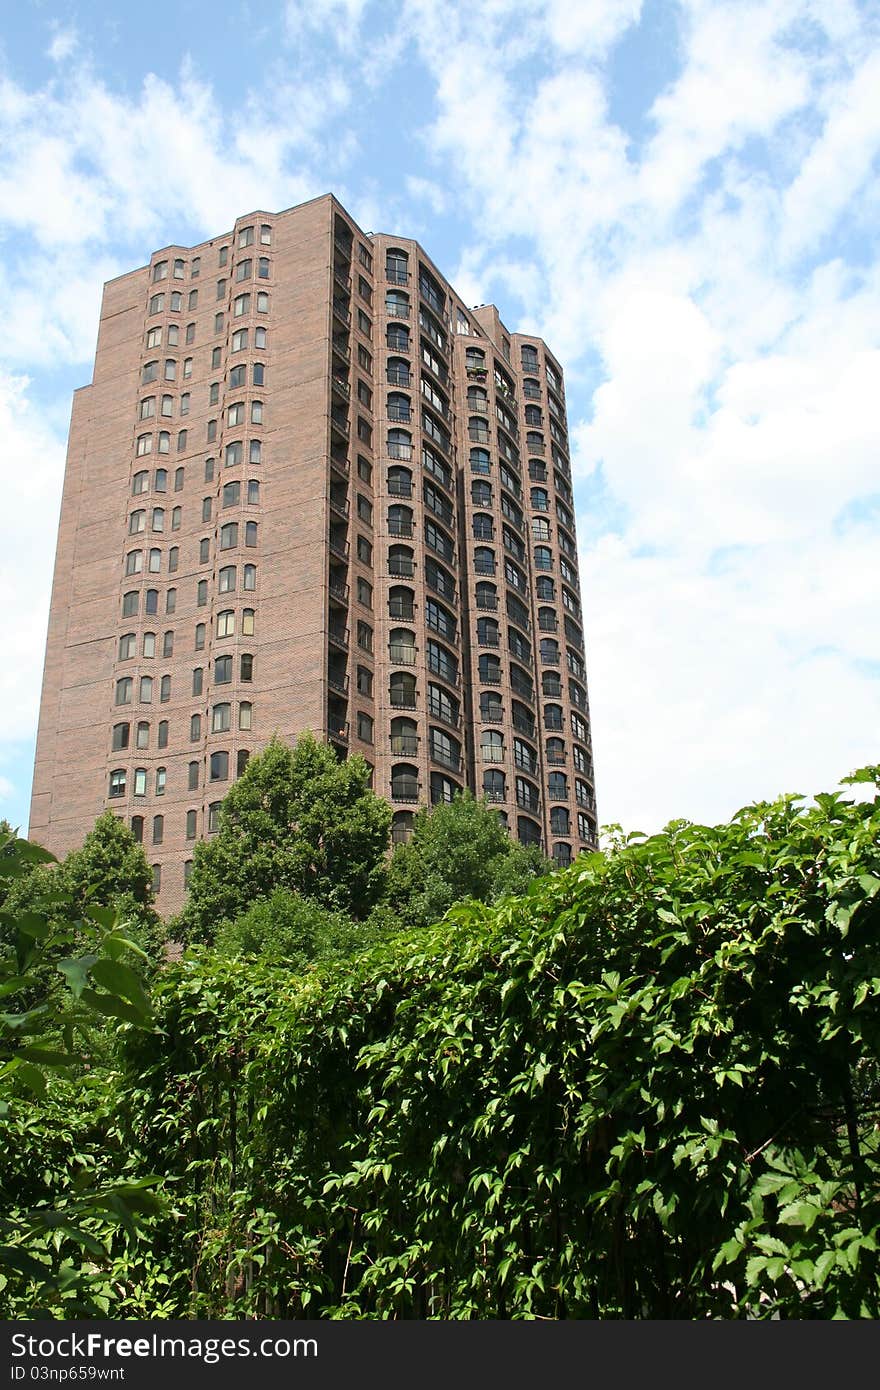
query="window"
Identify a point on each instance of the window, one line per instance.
(192, 780)
(222, 255)
(140, 781)
(219, 767)
(154, 337)
(147, 408)
(157, 303)
(250, 577)
(256, 412)
(250, 533)
(246, 237)
(134, 562)
(137, 523)
(158, 829)
(364, 727)
(174, 552)
(234, 453)
(144, 445)
(365, 550)
(117, 782)
(218, 323)
(229, 535)
(191, 818)
(158, 519)
(247, 621)
(226, 622)
(120, 736)
(178, 480)
(258, 374)
(176, 301)
(245, 715)
(201, 593)
(197, 680)
(261, 337)
(160, 481)
(235, 414)
(162, 739)
(365, 323)
(244, 270)
(221, 718)
(190, 333)
(146, 690)
(214, 817)
(200, 637)
(241, 305)
(246, 667)
(195, 728)
(149, 644)
(181, 441)
(207, 503)
(226, 579)
(253, 492)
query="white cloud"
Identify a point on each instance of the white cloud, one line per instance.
(63, 45)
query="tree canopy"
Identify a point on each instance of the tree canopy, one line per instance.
(458, 849)
(299, 819)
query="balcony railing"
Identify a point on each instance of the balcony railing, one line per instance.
(492, 752)
(339, 505)
(400, 487)
(338, 636)
(478, 436)
(488, 639)
(338, 681)
(404, 745)
(404, 789)
(490, 677)
(342, 312)
(450, 760)
(400, 528)
(494, 796)
(484, 566)
(401, 654)
(489, 604)
(401, 568)
(401, 413)
(402, 699)
(437, 710)
(395, 276)
(339, 547)
(555, 759)
(397, 608)
(396, 376)
(399, 451)
(525, 726)
(339, 733)
(397, 311)
(478, 407)
(495, 715)
(527, 803)
(339, 591)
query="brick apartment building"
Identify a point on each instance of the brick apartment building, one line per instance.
(309, 488)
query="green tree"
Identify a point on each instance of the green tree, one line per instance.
(110, 870)
(458, 850)
(299, 819)
(296, 932)
(65, 1198)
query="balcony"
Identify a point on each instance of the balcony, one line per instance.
(342, 349)
(555, 759)
(490, 677)
(526, 764)
(401, 568)
(338, 591)
(484, 566)
(494, 796)
(450, 760)
(552, 720)
(538, 472)
(340, 462)
(398, 376)
(339, 505)
(404, 789)
(400, 528)
(401, 654)
(478, 436)
(488, 639)
(341, 386)
(532, 393)
(404, 745)
(491, 753)
(399, 451)
(339, 422)
(342, 312)
(339, 546)
(550, 658)
(338, 680)
(395, 276)
(397, 608)
(402, 699)
(400, 413)
(338, 636)
(438, 710)
(397, 311)
(400, 487)
(534, 448)
(527, 803)
(480, 407)
(488, 603)
(493, 715)
(446, 673)
(339, 734)
(525, 726)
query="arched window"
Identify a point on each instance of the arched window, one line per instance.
(397, 337)
(560, 821)
(481, 493)
(402, 646)
(557, 786)
(396, 266)
(494, 785)
(484, 560)
(487, 632)
(399, 481)
(399, 444)
(553, 717)
(402, 690)
(543, 558)
(555, 751)
(401, 602)
(492, 746)
(486, 596)
(401, 827)
(400, 561)
(404, 782)
(400, 521)
(477, 400)
(480, 461)
(397, 371)
(404, 737)
(551, 684)
(117, 782)
(397, 304)
(550, 651)
(483, 526)
(490, 669)
(399, 406)
(540, 499)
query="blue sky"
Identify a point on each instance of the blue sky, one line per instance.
(681, 197)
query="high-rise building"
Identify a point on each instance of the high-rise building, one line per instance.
(309, 488)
